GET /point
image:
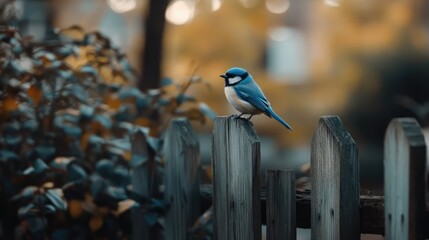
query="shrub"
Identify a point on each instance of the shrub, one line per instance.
(68, 110)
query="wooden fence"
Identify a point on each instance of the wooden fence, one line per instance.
(333, 209)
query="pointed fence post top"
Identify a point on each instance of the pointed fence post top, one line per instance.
(410, 129)
(335, 182)
(335, 127)
(232, 123)
(404, 180)
(181, 128)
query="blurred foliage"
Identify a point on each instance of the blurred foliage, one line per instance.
(7, 12)
(68, 111)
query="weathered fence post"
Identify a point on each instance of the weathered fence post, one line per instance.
(182, 180)
(140, 180)
(335, 182)
(281, 206)
(404, 180)
(236, 181)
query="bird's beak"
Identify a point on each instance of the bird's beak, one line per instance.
(223, 76)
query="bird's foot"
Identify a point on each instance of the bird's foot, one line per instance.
(235, 116)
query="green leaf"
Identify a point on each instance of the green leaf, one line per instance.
(105, 168)
(206, 110)
(29, 125)
(66, 74)
(129, 92)
(72, 131)
(26, 193)
(75, 172)
(28, 171)
(76, 91)
(54, 196)
(6, 155)
(97, 185)
(96, 140)
(118, 193)
(121, 143)
(151, 218)
(121, 176)
(86, 111)
(49, 209)
(40, 166)
(88, 69)
(45, 151)
(27, 211)
(166, 81)
(61, 162)
(12, 139)
(181, 98)
(104, 120)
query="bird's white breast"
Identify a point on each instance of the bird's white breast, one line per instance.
(239, 104)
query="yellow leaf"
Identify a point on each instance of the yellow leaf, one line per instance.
(63, 160)
(48, 185)
(112, 101)
(10, 104)
(74, 32)
(35, 94)
(95, 223)
(75, 208)
(127, 155)
(124, 206)
(142, 121)
(84, 140)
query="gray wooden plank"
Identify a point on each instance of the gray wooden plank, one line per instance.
(404, 180)
(280, 204)
(182, 179)
(236, 181)
(335, 182)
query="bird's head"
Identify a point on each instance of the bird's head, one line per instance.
(234, 76)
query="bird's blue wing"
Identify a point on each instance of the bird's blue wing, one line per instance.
(251, 93)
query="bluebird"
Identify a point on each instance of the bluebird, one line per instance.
(244, 94)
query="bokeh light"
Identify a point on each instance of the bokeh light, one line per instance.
(332, 3)
(180, 12)
(277, 6)
(216, 4)
(121, 6)
(248, 3)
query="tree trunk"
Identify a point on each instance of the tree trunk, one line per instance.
(151, 58)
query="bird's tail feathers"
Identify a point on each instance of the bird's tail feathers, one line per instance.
(280, 120)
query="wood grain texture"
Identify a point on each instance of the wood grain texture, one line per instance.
(404, 180)
(280, 204)
(236, 181)
(335, 182)
(182, 180)
(140, 181)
